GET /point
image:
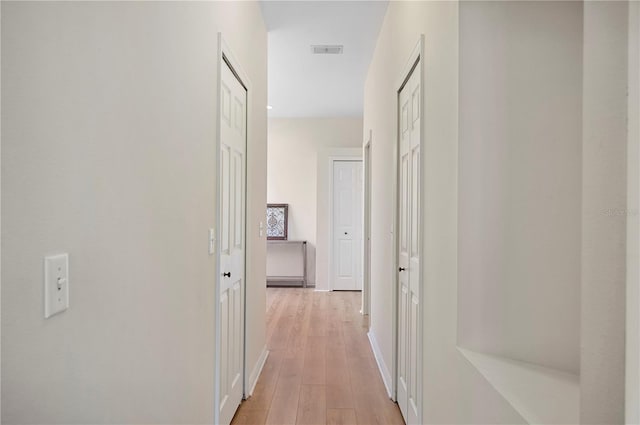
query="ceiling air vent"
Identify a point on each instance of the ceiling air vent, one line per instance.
(326, 50)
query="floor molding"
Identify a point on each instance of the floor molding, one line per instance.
(382, 367)
(257, 370)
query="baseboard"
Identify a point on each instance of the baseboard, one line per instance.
(322, 290)
(257, 370)
(384, 371)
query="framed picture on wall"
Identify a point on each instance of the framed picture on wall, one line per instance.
(277, 221)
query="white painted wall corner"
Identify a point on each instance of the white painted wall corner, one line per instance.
(257, 370)
(384, 370)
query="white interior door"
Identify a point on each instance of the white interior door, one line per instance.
(347, 226)
(233, 130)
(408, 249)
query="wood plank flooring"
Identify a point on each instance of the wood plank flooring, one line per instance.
(320, 368)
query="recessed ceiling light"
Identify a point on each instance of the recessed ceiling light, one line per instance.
(269, 107)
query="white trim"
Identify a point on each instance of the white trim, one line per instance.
(216, 295)
(632, 341)
(394, 267)
(321, 290)
(382, 367)
(224, 51)
(416, 58)
(331, 160)
(366, 226)
(257, 370)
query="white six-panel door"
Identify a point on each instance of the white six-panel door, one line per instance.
(408, 249)
(347, 226)
(233, 130)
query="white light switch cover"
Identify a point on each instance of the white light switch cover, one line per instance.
(56, 284)
(212, 242)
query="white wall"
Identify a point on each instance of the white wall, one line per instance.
(604, 197)
(520, 181)
(294, 144)
(108, 132)
(632, 399)
(565, 168)
(579, 128)
(0, 221)
(453, 391)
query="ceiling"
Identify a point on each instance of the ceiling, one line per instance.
(302, 84)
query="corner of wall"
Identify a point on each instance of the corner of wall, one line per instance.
(632, 392)
(252, 379)
(604, 204)
(382, 366)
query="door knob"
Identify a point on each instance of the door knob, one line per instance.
(401, 269)
(226, 274)
(345, 233)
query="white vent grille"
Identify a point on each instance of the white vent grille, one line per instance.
(326, 50)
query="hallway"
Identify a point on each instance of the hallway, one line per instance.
(472, 166)
(320, 368)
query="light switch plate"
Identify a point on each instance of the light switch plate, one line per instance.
(212, 241)
(56, 284)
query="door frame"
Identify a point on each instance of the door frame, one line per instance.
(332, 160)
(632, 346)
(366, 223)
(415, 63)
(225, 55)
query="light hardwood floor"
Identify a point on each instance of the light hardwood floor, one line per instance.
(320, 369)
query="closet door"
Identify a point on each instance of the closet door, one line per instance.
(408, 249)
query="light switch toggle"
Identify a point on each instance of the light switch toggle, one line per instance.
(61, 283)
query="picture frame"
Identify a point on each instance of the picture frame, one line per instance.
(277, 222)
